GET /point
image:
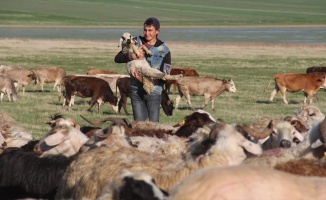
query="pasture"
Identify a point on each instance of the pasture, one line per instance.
(251, 66)
(170, 12)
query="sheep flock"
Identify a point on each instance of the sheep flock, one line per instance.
(201, 157)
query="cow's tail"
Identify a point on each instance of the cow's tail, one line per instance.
(268, 85)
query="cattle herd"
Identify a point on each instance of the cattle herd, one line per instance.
(199, 157)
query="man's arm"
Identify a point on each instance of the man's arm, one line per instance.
(121, 58)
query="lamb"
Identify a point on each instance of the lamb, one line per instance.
(91, 171)
(128, 45)
(247, 183)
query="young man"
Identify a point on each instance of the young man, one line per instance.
(147, 106)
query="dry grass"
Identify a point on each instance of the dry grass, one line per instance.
(251, 66)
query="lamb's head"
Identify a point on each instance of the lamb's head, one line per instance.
(126, 39)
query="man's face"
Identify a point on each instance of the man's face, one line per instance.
(150, 32)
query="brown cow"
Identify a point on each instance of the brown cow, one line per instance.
(176, 71)
(209, 87)
(94, 71)
(96, 88)
(48, 75)
(123, 84)
(7, 87)
(22, 77)
(307, 83)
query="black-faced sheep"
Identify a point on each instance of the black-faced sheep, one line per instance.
(91, 171)
(247, 183)
(133, 186)
(35, 177)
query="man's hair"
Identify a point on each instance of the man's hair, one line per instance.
(152, 21)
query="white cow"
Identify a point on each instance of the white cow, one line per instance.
(209, 87)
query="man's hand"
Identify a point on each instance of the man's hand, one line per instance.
(136, 74)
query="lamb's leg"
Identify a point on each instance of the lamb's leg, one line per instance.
(147, 51)
(147, 84)
(135, 49)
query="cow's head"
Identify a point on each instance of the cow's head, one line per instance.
(167, 104)
(230, 86)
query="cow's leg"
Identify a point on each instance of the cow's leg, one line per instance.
(283, 91)
(177, 100)
(1, 96)
(92, 103)
(123, 103)
(272, 95)
(206, 96)
(189, 102)
(8, 94)
(42, 86)
(213, 102)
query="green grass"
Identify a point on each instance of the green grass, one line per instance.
(170, 12)
(251, 67)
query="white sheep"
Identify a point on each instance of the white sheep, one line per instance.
(248, 183)
(91, 171)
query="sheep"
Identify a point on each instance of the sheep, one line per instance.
(15, 135)
(310, 115)
(303, 166)
(132, 186)
(247, 183)
(30, 175)
(91, 171)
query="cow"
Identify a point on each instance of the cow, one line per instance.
(94, 71)
(7, 87)
(316, 69)
(96, 88)
(292, 82)
(176, 71)
(21, 76)
(209, 87)
(48, 75)
(123, 85)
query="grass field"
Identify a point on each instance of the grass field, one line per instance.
(170, 12)
(251, 66)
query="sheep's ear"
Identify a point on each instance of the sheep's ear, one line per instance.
(120, 41)
(251, 147)
(76, 125)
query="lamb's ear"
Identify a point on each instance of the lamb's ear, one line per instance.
(134, 39)
(120, 41)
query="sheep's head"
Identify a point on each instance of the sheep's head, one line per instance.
(192, 122)
(58, 119)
